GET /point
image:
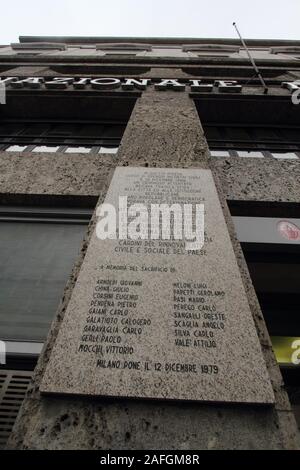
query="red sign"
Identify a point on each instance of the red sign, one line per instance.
(288, 230)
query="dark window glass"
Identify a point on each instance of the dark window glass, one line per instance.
(38, 248)
(37, 253)
(64, 133)
(252, 137)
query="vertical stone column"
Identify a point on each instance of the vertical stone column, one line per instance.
(164, 131)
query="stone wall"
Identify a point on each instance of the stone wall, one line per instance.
(164, 131)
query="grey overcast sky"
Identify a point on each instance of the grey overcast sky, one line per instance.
(152, 18)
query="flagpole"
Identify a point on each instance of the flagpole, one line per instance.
(252, 61)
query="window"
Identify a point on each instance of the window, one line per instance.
(28, 54)
(59, 136)
(280, 141)
(247, 122)
(211, 55)
(39, 45)
(124, 55)
(124, 50)
(123, 46)
(101, 68)
(38, 248)
(271, 247)
(292, 50)
(213, 48)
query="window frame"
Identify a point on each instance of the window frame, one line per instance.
(30, 350)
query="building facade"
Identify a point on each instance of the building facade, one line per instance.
(73, 110)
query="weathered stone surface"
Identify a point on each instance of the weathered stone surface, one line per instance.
(183, 143)
(40, 173)
(256, 179)
(148, 319)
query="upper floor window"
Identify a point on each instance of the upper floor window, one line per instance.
(277, 140)
(43, 46)
(123, 54)
(123, 49)
(123, 46)
(38, 247)
(69, 137)
(212, 49)
(294, 50)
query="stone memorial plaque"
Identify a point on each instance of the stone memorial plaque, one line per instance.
(150, 319)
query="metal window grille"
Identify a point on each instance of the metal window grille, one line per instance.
(13, 387)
